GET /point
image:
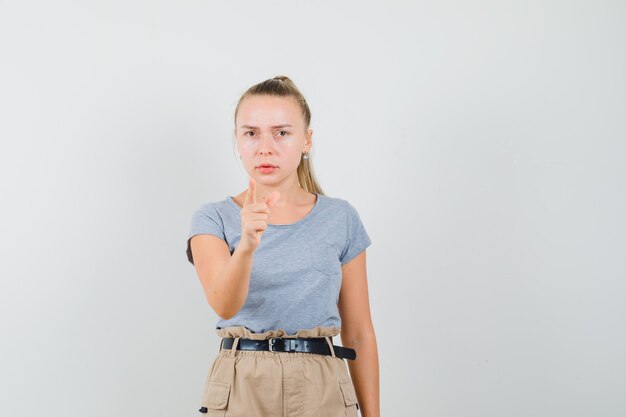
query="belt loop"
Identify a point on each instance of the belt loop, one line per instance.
(330, 345)
(234, 347)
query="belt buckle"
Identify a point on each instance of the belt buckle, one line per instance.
(271, 343)
(289, 344)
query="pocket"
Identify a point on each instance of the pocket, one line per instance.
(215, 399)
(349, 397)
(325, 258)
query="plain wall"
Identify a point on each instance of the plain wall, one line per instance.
(483, 144)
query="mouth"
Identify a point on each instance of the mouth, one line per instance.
(266, 168)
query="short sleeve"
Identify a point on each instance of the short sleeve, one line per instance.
(357, 239)
(206, 220)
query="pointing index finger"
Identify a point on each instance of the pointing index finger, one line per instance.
(251, 194)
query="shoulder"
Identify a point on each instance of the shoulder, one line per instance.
(213, 212)
(341, 205)
(213, 208)
(355, 238)
(336, 203)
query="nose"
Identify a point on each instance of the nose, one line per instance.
(266, 143)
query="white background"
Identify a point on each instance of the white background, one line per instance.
(483, 144)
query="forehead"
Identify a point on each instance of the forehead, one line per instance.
(266, 111)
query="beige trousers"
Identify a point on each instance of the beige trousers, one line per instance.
(248, 383)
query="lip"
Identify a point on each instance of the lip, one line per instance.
(266, 169)
(266, 166)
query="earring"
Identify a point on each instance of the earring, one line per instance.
(305, 156)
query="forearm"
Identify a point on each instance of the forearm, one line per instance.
(364, 371)
(231, 285)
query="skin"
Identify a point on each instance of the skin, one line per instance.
(278, 197)
(283, 147)
(259, 142)
(357, 332)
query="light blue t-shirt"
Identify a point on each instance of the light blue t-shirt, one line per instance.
(296, 269)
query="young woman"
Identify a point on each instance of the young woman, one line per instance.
(283, 266)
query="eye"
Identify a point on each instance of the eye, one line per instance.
(246, 134)
(284, 131)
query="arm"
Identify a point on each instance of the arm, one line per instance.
(224, 278)
(357, 332)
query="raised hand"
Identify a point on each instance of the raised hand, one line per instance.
(255, 216)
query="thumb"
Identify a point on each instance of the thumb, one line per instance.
(273, 198)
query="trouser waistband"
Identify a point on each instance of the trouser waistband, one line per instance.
(317, 345)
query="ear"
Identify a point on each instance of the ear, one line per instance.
(309, 136)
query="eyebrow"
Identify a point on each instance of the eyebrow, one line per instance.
(273, 127)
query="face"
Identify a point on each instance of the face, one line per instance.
(270, 130)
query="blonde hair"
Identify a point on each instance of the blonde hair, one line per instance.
(282, 86)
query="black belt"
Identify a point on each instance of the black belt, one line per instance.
(300, 344)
